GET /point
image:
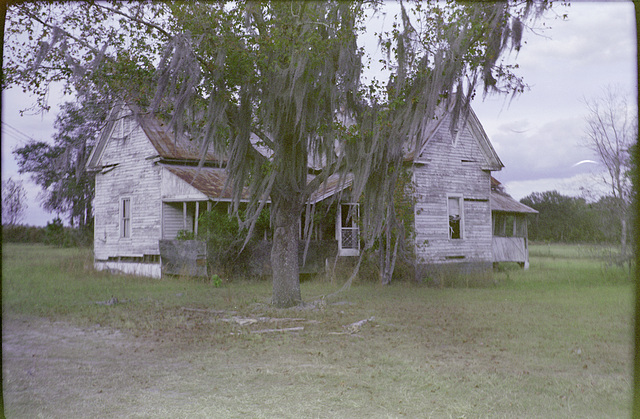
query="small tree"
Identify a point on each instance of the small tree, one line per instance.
(14, 203)
(611, 132)
(59, 168)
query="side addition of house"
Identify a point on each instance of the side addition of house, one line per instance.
(457, 212)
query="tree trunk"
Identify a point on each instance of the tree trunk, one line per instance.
(284, 256)
(623, 239)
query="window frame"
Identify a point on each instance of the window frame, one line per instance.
(352, 227)
(125, 219)
(450, 229)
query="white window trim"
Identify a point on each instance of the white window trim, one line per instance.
(124, 235)
(350, 251)
(460, 198)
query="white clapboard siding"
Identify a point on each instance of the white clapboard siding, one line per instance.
(130, 174)
(452, 168)
(173, 219)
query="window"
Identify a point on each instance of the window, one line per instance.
(125, 218)
(521, 226)
(348, 230)
(454, 206)
(124, 128)
(509, 225)
(498, 225)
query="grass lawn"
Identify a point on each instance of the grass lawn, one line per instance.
(553, 341)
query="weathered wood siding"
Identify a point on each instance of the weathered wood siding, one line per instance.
(449, 167)
(176, 189)
(172, 220)
(135, 177)
(510, 249)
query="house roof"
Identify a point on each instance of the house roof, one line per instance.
(170, 146)
(333, 185)
(211, 181)
(167, 145)
(503, 202)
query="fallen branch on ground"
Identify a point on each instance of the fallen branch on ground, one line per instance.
(203, 310)
(242, 321)
(355, 327)
(286, 329)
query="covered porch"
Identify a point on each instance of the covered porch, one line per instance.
(510, 242)
(190, 192)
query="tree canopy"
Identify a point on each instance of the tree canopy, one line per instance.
(60, 168)
(611, 133)
(567, 219)
(245, 77)
(13, 202)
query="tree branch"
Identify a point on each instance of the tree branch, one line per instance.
(135, 19)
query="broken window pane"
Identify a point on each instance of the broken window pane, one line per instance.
(455, 218)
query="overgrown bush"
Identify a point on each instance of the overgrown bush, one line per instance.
(185, 235)
(56, 234)
(22, 234)
(224, 238)
(222, 234)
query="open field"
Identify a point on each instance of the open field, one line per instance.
(554, 341)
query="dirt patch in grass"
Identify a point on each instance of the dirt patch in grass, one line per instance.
(210, 363)
(54, 369)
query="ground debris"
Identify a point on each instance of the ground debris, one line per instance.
(204, 310)
(356, 326)
(286, 329)
(111, 302)
(243, 321)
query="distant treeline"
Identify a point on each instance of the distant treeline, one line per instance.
(568, 219)
(55, 234)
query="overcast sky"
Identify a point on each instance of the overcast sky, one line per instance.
(537, 135)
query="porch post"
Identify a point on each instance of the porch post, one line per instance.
(184, 215)
(195, 228)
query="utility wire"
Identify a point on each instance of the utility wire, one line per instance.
(17, 134)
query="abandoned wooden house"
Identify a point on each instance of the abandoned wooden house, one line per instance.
(149, 188)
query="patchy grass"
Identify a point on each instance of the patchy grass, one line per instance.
(553, 341)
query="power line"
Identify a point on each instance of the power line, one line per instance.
(17, 134)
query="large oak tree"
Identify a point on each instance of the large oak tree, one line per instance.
(275, 87)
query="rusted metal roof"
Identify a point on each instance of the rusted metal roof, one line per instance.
(170, 146)
(211, 181)
(502, 202)
(333, 185)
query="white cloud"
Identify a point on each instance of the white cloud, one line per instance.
(540, 150)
